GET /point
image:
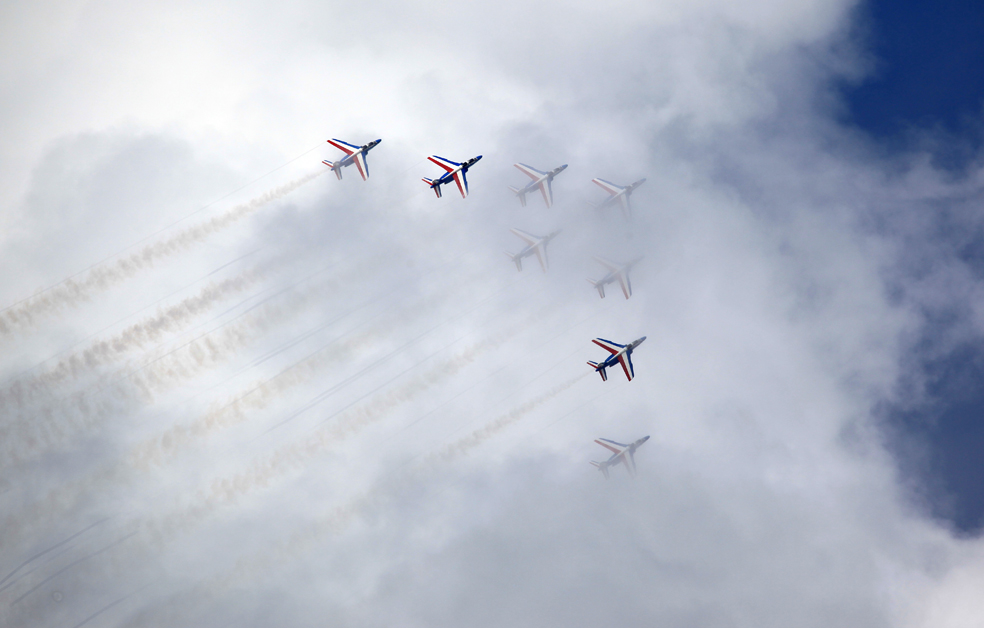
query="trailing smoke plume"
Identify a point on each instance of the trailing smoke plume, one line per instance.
(300, 543)
(257, 397)
(464, 445)
(292, 456)
(137, 336)
(102, 277)
(159, 448)
(126, 390)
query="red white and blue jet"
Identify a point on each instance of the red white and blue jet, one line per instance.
(454, 172)
(616, 272)
(619, 193)
(620, 354)
(541, 180)
(353, 155)
(621, 454)
(535, 245)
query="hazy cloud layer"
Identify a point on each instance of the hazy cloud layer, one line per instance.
(369, 418)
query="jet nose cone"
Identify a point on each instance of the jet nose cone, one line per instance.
(641, 340)
(645, 438)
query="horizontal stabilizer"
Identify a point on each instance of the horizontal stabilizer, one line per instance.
(436, 188)
(600, 369)
(337, 171)
(516, 260)
(600, 287)
(520, 193)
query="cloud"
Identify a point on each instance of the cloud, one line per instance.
(794, 275)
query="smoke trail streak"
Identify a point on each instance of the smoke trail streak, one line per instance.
(101, 278)
(462, 446)
(300, 543)
(70, 565)
(332, 390)
(10, 380)
(133, 337)
(161, 447)
(141, 385)
(107, 607)
(52, 548)
(157, 449)
(294, 455)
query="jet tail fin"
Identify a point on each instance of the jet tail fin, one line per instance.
(516, 259)
(520, 193)
(330, 164)
(601, 370)
(436, 188)
(600, 287)
(601, 467)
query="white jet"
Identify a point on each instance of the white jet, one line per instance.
(454, 171)
(616, 272)
(353, 155)
(619, 193)
(542, 180)
(535, 245)
(621, 454)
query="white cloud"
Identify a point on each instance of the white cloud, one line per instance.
(789, 266)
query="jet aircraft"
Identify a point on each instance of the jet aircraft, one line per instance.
(541, 180)
(618, 193)
(616, 272)
(455, 172)
(620, 354)
(353, 155)
(535, 245)
(621, 454)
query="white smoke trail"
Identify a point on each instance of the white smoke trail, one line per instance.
(294, 455)
(138, 335)
(54, 425)
(102, 277)
(464, 445)
(301, 542)
(157, 449)
(164, 446)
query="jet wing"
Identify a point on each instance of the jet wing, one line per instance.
(360, 162)
(611, 347)
(629, 462)
(612, 266)
(529, 238)
(608, 186)
(547, 191)
(626, 361)
(623, 280)
(624, 201)
(612, 446)
(541, 254)
(530, 171)
(447, 164)
(345, 147)
(459, 178)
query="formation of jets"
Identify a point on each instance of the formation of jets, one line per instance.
(537, 245)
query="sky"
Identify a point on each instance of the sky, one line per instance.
(238, 391)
